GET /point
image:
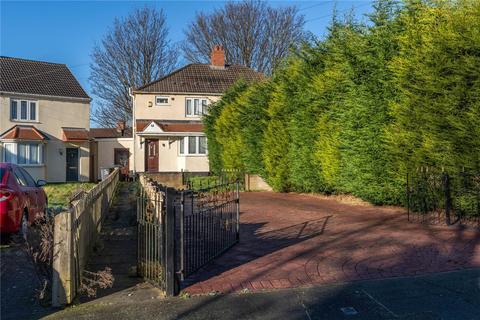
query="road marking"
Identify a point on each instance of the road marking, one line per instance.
(380, 304)
(304, 307)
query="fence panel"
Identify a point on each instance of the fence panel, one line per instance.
(75, 234)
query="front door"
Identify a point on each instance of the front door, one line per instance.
(121, 159)
(72, 164)
(151, 155)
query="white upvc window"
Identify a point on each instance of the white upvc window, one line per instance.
(161, 101)
(23, 153)
(195, 107)
(23, 110)
(193, 145)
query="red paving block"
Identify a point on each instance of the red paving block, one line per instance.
(286, 241)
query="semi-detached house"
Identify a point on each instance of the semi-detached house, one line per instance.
(168, 130)
(44, 120)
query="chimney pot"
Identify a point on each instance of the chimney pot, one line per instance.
(121, 126)
(218, 57)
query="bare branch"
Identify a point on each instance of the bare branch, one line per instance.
(252, 33)
(134, 52)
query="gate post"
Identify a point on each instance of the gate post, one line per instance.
(448, 199)
(170, 281)
(237, 201)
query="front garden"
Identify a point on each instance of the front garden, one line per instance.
(59, 193)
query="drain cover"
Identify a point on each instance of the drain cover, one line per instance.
(349, 311)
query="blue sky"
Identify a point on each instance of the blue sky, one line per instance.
(65, 32)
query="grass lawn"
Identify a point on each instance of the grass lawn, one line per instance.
(59, 193)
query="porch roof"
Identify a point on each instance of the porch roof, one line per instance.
(170, 127)
(23, 132)
(75, 134)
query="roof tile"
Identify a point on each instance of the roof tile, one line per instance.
(201, 78)
(24, 132)
(37, 77)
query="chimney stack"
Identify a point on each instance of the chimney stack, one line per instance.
(121, 126)
(218, 57)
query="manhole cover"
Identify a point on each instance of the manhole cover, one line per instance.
(349, 311)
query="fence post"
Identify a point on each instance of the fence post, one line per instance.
(170, 283)
(408, 199)
(182, 235)
(62, 285)
(448, 199)
(237, 211)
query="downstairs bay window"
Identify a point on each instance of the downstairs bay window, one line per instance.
(193, 145)
(23, 153)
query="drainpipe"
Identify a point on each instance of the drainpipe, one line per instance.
(134, 129)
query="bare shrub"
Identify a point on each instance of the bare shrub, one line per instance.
(38, 247)
(92, 281)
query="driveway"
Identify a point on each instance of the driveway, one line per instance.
(292, 240)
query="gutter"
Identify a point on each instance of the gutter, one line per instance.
(44, 96)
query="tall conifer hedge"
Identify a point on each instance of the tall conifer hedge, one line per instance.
(354, 112)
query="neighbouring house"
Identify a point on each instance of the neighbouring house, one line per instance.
(167, 119)
(111, 147)
(44, 120)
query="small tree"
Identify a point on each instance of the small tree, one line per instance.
(134, 52)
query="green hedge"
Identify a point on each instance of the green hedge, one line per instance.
(353, 112)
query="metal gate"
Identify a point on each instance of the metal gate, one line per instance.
(179, 231)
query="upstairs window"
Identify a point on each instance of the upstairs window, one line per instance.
(161, 101)
(195, 107)
(23, 110)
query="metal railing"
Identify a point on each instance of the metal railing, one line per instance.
(151, 233)
(179, 231)
(209, 224)
(441, 197)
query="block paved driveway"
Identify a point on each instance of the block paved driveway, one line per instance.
(291, 240)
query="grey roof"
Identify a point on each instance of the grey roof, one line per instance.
(202, 78)
(37, 77)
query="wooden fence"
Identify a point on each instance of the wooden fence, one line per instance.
(75, 234)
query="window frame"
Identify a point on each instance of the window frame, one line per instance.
(162, 103)
(39, 161)
(18, 107)
(201, 107)
(185, 141)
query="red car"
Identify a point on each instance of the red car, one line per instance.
(21, 198)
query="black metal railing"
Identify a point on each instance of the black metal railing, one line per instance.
(440, 197)
(151, 235)
(209, 224)
(179, 231)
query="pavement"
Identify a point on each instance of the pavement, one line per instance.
(448, 295)
(18, 284)
(117, 244)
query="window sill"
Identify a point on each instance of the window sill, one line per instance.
(193, 155)
(24, 121)
(31, 165)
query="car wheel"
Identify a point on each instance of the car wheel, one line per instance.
(24, 226)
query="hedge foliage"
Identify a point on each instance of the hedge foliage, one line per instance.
(353, 112)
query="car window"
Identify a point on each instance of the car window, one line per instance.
(20, 178)
(30, 181)
(3, 173)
